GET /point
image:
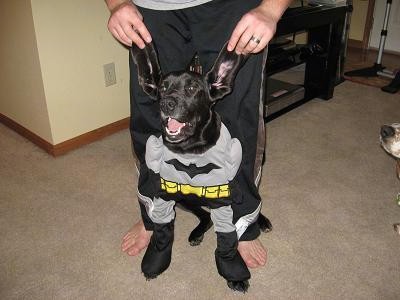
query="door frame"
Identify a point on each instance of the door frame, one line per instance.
(369, 21)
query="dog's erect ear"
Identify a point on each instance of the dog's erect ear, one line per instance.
(195, 65)
(149, 71)
(222, 75)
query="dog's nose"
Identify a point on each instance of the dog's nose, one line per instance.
(168, 105)
(387, 131)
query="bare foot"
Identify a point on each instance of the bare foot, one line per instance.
(253, 253)
(136, 239)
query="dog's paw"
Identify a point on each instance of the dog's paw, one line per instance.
(197, 235)
(150, 276)
(195, 240)
(264, 223)
(239, 286)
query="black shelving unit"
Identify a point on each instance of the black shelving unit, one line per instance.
(321, 56)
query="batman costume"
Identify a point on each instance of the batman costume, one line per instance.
(207, 179)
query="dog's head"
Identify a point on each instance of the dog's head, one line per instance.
(186, 97)
(390, 139)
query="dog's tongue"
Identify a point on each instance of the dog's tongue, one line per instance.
(174, 125)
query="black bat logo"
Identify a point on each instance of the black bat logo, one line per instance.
(192, 170)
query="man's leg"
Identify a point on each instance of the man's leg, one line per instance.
(250, 247)
(241, 111)
(171, 38)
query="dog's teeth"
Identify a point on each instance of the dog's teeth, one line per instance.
(178, 130)
(173, 133)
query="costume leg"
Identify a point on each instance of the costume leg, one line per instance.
(230, 264)
(197, 234)
(158, 253)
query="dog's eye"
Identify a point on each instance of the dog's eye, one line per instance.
(190, 88)
(164, 86)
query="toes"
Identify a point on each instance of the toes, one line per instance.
(135, 231)
(261, 256)
(251, 263)
(261, 261)
(134, 247)
(249, 260)
(129, 241)
(253, 253)
(142, 243)
(135, 240)
(129, 235)
(127, 245)
(133, 251)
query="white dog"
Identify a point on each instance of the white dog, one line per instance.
(390, 141)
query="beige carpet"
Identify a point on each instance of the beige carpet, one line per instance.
(328, 188)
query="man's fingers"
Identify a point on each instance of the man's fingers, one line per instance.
(122, 37)
(260, 46)
(117, 35)
(137, 40)
(141, 29)
(251, 45)
(236, 35)
(244, 42)
(256, 41)
(126, 24)
(253, 32)
(266, 37)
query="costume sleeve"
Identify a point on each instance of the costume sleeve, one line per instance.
(154, 152)
(233, 158)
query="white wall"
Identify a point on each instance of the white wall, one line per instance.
(74, 44)
(393, 38)
(22, 96)
(52, 56)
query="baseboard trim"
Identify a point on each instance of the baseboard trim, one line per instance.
(26, 133)
(90, 137)
(392, 52)
(354, 43)
(359, 45)
(69, 145)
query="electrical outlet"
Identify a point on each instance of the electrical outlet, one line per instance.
(109, 74)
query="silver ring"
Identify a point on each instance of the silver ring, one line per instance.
(255, 40)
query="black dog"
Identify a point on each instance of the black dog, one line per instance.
(195, 161)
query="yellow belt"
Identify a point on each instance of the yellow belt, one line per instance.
(212, 192)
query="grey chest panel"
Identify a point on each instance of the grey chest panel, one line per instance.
(216, 166)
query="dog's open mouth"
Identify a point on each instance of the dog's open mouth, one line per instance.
(174, 127)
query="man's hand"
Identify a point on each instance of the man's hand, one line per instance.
(257, 27)
(126, 24)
